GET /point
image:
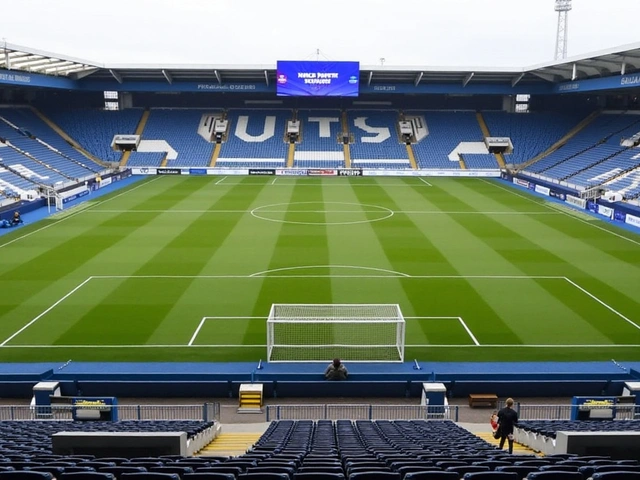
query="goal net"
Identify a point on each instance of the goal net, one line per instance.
(356, 333)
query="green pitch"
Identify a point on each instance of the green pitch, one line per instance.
(186, 269)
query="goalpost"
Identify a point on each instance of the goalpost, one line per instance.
(351, 332)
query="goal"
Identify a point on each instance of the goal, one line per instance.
(351, 332)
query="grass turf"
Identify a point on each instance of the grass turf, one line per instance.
(481, 271)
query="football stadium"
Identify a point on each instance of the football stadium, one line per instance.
(190, 251)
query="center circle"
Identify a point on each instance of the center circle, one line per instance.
(341, 211)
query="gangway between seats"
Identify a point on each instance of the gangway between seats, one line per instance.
(139, 129)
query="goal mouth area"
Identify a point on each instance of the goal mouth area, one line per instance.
(322, 332)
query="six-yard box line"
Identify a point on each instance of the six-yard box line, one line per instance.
(262, 275)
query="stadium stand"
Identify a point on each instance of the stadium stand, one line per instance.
(319, 147)
(256, 138)
(627, 184)
(12, 184)
(146, 159)
(446, 130)
(95, 129)
(531, 133)
(596, 143)
(177, 129)
(376, 143)
(68, 159)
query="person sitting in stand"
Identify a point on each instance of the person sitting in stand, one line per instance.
(336, 371)
(17, 219)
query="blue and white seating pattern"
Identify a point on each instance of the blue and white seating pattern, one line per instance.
(68, 160)
(628, 184)
(95, 129)
(595, 142)
(255, 138)
(13, 185)
(530, 133)
(479, 161)
(320, 134)
(179, 128)
(446, 131)
(376, 140)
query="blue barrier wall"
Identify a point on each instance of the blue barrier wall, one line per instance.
(220, 380)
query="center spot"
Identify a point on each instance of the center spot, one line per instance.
(322, 213)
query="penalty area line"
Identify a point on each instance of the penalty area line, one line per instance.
(607, 306)
(467, 345)
(3, 344)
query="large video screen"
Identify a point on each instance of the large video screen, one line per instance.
(317, 79)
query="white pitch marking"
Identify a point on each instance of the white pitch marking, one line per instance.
(77, 213)
(424, 181)
(220, 181)
(274, 180)
(611, 345)
(395, 275)
(355, 267)
(403, 212)
(563, 213)
(464, 325)
(195, 334)
(602, 303)
(45, 312)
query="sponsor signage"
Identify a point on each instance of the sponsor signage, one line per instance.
(168, 171)
(605, 211)
(262, 171)
(558, 195)
(143, 171)
(522, 183)
(543, 190)
(291, 171)
(75, 196)
(321, 172)
(353, 172)
(197, 171)
(578, 202)
(633, 220)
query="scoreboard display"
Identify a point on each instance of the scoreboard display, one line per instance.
(317, 79)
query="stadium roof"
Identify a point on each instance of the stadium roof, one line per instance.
(614, 61)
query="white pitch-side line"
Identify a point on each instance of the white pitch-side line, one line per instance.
(399, 212)
(472, 277)
(274, 181)
(195, 334)
(563, 213)
(424, 181)
(45, 312)
(77, 213)
(220, 181)
(602, 303)
(263, 346)
(464, 325)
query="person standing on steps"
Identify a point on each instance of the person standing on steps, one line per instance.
(507, 420)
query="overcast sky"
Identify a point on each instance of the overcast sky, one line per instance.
(404, 32)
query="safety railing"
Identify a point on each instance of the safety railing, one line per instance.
(563, 412)
(361, 412)
(204, 412)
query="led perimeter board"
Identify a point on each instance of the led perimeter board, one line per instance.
(317, 79)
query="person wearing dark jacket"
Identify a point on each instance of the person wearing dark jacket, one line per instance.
(507, 419)
(336, 371)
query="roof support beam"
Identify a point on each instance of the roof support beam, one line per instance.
(574, 71)
(516, 80)
(115, 75)
(84, 73)
(369, 79)
(467, 79)
(266, 78)
(215, 72)
(167, 76)
(418, 78)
